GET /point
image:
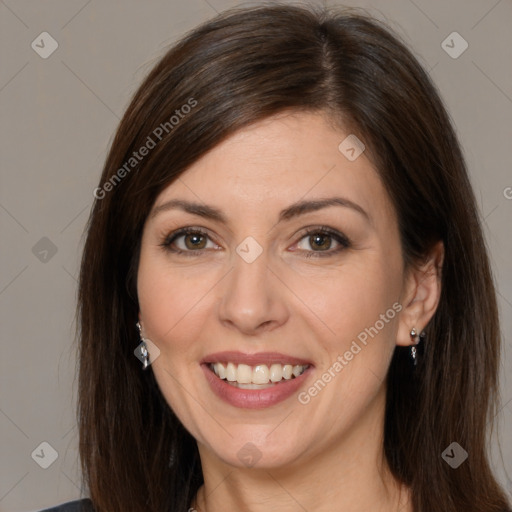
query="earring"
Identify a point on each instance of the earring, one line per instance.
(416, 338)
(143, 349)
(413, 356)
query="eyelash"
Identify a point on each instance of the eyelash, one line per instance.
(342, 240)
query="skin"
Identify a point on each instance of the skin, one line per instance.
(330, 450)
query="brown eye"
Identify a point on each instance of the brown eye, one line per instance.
(195, 241)
(188, 241)
(319, 241)
(322, 242)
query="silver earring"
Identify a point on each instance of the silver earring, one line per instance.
(414, 356)
(416, 338)
(143, 349)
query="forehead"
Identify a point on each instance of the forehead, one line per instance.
(276, 162)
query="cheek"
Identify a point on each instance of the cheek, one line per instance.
(358, 308)
(172, 307)
(174, 310)
(352, 299)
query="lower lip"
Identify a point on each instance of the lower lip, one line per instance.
(253, 398)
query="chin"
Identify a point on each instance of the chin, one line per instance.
(255, 448)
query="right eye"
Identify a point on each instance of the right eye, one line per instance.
(187, 241)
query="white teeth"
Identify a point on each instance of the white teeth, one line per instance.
(250, 386)
(297, 370)
(244, 374)
(220, 370)
(260, 374)
(230, 372)
(256, 377)
(287, 371)
(276, 372)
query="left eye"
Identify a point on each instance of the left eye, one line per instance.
(321, 241)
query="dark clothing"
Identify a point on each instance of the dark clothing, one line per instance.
(84, 505)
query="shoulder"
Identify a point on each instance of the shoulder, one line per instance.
(84, 505)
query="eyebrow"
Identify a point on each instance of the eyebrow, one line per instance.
(294, 210)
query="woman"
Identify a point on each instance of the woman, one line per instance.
(285, 236)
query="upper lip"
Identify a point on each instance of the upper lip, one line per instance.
(267, 358)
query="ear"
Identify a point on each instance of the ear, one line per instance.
(420, 295)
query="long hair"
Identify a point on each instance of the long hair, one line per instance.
(241, 67)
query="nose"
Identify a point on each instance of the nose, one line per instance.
(254, 300)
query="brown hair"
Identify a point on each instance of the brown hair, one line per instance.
(243, 66)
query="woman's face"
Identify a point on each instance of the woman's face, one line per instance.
(269, 283)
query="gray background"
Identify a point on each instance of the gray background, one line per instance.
(58, 116)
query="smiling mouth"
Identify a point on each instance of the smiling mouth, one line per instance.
(259, 376)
